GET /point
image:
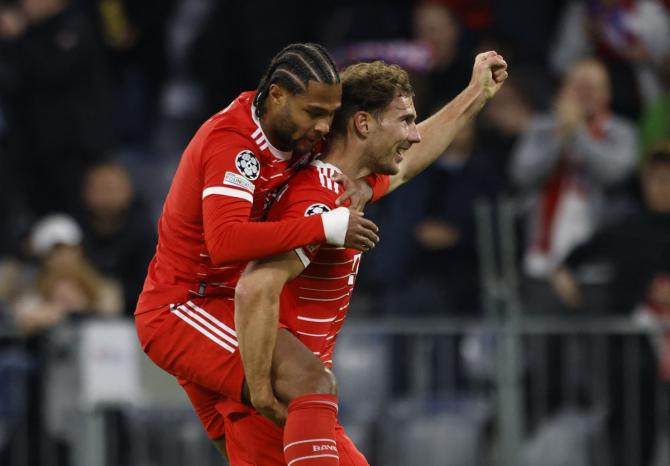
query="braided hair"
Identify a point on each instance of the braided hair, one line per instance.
(292, 68)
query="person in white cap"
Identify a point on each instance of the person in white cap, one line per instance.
(65, 282)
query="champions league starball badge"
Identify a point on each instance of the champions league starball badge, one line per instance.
(248, 165)
(316, 209)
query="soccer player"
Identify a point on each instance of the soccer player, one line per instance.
(184, 316)
(210, 224)
(306, 292)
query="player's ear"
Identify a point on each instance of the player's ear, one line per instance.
(362, 123)
(277, 94)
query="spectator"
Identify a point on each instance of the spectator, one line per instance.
(134, 39)
(564, 164)
(66, 283)
(530, 39)
(504, 120)
(436, 25)
(637, 252)
(54, 83)
(632, 37)
(446, 263)
(118, 233)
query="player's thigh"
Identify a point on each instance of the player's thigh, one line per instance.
(296, 371)
(196, 341)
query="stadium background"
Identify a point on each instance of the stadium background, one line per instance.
(458, 350)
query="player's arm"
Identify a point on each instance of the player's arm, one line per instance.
(437, 132)
(227, 199)
(362, 191)
(256, 321)
(257, 296)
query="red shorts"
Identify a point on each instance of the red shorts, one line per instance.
(196, 342)
(252, 440)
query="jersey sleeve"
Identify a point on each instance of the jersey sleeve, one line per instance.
(230, 173)
(379, 184)
(304, 198)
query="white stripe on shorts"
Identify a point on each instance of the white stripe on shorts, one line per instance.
(209, 325)
(212, 318)
(202, 330)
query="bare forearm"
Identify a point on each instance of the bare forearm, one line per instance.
(256, 318)
(438, 131)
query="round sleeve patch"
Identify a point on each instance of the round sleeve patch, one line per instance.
(248, 165)
(316, 209)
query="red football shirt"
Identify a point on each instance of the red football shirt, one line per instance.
(314, 305)
(210, 224)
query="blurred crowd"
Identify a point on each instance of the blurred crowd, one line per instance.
(99, 97)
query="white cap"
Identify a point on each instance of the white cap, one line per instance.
(52, 230)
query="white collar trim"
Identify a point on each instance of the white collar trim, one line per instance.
(262, 140)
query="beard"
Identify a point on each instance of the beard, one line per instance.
(381, 164)
(284, 130)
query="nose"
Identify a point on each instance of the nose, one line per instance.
(414, 135)
(322, 126)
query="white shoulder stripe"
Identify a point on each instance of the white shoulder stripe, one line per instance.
(223, 191)
(322, 179)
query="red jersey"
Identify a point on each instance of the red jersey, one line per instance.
(314, 305)
(209, 226)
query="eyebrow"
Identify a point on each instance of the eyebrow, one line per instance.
(319, 108)
(411, 115)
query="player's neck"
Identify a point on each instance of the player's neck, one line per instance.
(346, 156)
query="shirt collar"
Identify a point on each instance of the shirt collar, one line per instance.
(280, 154)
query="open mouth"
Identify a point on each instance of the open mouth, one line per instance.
(399, 154)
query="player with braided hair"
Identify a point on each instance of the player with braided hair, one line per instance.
(211, 222)
(290, 67)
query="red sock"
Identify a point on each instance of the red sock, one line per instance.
(309, 433)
